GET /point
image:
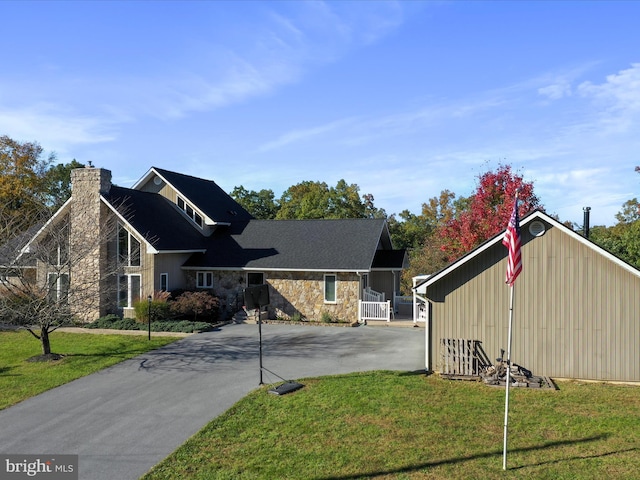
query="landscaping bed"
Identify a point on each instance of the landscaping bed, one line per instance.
(113, 322)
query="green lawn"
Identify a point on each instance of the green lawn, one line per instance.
(410, 426)
(84, 354)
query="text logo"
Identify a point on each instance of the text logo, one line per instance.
(46, 467)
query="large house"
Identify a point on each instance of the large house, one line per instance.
(576, 308)
(177, 232)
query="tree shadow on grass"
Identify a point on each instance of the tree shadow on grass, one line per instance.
(495, 453)
(4, 372)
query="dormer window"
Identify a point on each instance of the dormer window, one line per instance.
(191, 213)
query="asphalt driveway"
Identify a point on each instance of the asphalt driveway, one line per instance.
(125, 419)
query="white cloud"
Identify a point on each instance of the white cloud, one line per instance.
(299, 37)
(617, 101)
(556, 91)
(54, 127)
(620, 91)
(303, 134)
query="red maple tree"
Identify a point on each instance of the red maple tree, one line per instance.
(489, 210)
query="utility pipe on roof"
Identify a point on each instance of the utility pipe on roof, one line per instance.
(585, 221)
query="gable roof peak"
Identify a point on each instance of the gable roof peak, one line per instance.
(205, 195)
(536, 214)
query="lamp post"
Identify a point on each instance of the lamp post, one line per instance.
(149, 300)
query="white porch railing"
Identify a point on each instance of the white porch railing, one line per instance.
(369, 295)
(404, 299)
(422, 312)
(374, 311)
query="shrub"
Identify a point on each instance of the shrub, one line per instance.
(183, 326)
(326, 318)
(159, 308)
(196, 304)
(115, 322)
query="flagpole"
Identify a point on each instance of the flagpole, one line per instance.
(508, 379)
(512, 241)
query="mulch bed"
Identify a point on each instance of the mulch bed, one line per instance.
(49, 357)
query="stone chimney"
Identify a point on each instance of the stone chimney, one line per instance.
(88, 294)
(90, 181)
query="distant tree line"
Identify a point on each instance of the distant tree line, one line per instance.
(309, 200)
(447, 226)
(622, 239)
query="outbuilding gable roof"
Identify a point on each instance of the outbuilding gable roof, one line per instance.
(528, 219)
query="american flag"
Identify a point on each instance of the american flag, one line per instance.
(511, 240)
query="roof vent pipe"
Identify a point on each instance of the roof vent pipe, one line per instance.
(585, 221)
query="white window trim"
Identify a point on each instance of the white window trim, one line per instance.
(206, 276)
(58, 279)
(324, 288)
(129, 292)
(166, 276)
(193, 209)
(60, 255)
(128, 257)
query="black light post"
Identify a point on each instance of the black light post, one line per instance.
(149, 299)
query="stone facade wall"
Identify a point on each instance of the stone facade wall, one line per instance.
(291, 294)
(228, 286)
(302, 293)
(88, 250)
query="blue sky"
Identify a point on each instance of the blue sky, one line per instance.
(404, 99)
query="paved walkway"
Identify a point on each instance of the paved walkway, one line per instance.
(123, 420)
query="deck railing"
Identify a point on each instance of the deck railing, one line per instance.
(374, 311)
(369, 295)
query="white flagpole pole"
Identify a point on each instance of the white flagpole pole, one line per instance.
(508, 380)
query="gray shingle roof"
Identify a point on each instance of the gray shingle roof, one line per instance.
(247, 243)
(207, 195)
(155, 218)
(327, 245)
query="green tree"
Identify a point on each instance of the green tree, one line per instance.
(344, 201)
(309, 200)
(260, 204)
(371, 211)
(417, 234)
(622, 239)
(305, 200)
(56, 186)
(409, 230)
(22, 172)
(630, 211)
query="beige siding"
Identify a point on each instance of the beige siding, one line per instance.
(383, 282)
(170, 263)
(576, 312)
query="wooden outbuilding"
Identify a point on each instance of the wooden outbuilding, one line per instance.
(576, 311)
